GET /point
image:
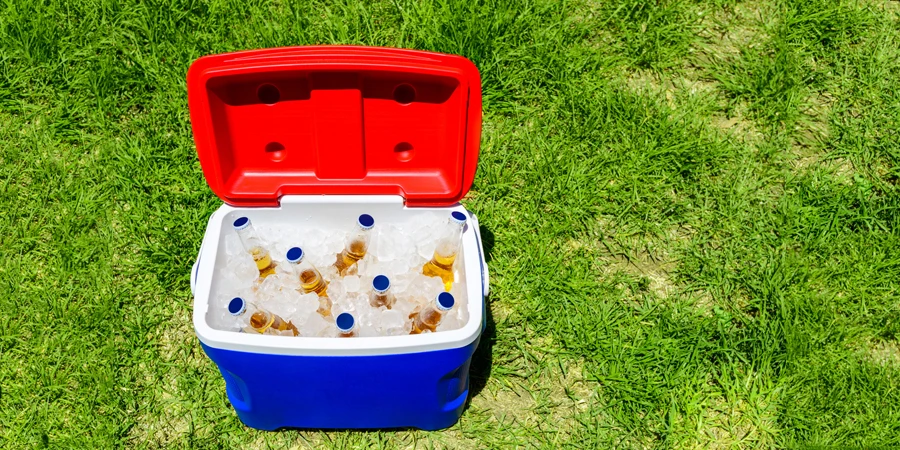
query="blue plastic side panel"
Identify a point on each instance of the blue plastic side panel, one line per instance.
(423, 390)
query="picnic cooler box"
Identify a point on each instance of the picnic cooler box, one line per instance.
(317, 136)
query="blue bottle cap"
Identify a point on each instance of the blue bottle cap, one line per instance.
(240, 223)
(381, 283)
(458, 217)
(365, 221)
(345, 322)
(294, 255)
(237, 306)
(444, 301)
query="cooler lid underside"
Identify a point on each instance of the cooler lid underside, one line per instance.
(336, 120)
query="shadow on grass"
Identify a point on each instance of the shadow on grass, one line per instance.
(487, 241)
(482, 360)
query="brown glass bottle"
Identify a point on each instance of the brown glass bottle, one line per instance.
(430, 316)
(381, 293)
(254, 245)
(441, 264)
(260, 321)
(357, 245)
(311, 279)
(346, 325)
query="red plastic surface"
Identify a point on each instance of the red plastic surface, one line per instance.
(336, 120)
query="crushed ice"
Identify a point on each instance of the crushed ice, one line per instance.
(397, 250)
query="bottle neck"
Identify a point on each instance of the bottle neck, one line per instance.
(360, 234)
(301, 266)
(249, 238)
(448, 244)
(455, 230)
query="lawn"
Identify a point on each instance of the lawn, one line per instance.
(691, 210)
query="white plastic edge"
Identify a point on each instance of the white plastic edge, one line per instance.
(300, 346)
(194, 269)
(485, 278)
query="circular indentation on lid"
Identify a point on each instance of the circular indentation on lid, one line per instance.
(237, 306)
(294, 255)
(268, 94)
(366, 221)
(345, 321)
(381, 283)
(404, 94)
(240, 223)
(445, 301)
(276, 151)
(404, 151)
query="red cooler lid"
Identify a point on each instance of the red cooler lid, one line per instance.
(336, 120)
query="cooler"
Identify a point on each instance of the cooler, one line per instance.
(319, 135)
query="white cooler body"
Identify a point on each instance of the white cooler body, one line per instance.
(311, 382)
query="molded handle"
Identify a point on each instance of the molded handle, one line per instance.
(195, 269)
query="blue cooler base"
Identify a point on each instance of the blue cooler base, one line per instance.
(424, 390)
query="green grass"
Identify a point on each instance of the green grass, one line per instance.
(691, 210)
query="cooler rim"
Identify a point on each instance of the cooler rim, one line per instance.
(201, 284)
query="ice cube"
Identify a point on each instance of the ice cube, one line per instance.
(433, 287)
(320, 258)
(368, 331)
(405, 306)
(308, 302)
(420, 222)
(431, 230)
(425, 288)
(305, 308)
(397, 266)
(450, 321)
(461, 305)
(393, 323)
(415, 262)
(241, 269)
(351, 283)
(287, 277)
(219, 317)
(352, 270)
(277, 240)
(425, 249)
(342, 304)
(269, 287)
(226, 282)
(312, 237)
(362, 266)
(329, 273)
(336, 289)
(315, 325)
(353, 303)
(284, 302)
(401, 282)
(233, 245)
(371, 268)
(368, 316)
(387, 245)
(334, 242)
